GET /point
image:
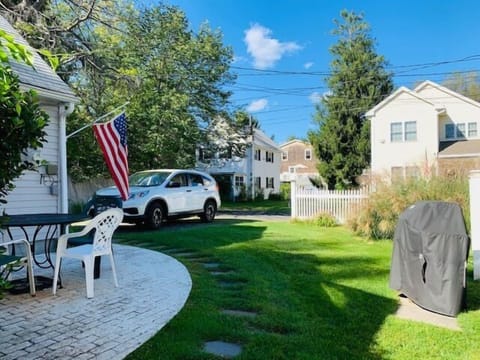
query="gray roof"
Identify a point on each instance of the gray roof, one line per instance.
(460, 148)
(41, 77)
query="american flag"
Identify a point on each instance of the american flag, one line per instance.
(112, 137)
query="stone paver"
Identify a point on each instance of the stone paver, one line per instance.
(410, 311)
(153, 289)
(243, 313)
(223, 349)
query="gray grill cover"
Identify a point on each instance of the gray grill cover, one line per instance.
(429, 253)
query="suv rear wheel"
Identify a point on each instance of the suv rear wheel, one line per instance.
(154, 216)
(209, 211)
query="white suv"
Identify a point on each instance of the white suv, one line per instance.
(156, 195)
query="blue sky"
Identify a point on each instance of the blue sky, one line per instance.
(282, 48)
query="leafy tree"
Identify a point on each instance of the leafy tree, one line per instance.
(181, 76)
(358, 81)
(110, 53)
(466, 84)
(21, 120)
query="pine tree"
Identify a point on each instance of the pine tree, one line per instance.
(358, 81)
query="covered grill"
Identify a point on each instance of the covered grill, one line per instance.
(429, 256)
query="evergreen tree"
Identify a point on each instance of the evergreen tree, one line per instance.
(358, 81)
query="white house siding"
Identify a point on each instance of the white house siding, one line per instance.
(264, 170)
(387, 154)
(458, 109)
(29, 195)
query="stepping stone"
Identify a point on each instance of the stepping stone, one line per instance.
(230, 284)
(223, 349)
(219, 272)
(211, 265)
(184, 254)
(240, 313)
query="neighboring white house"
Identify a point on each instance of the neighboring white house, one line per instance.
(258, 171)
(430, 128)
(299, 163)
(44, 191)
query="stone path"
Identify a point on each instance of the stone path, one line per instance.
(153, 288)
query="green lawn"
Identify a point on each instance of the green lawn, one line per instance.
(320, 293)
(261, 206)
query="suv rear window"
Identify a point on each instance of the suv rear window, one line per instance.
(196, 180)
(148, 178)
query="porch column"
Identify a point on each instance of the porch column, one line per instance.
(474, 182)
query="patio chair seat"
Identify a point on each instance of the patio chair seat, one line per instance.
(84, 240)
(103, 226)
(25, 260)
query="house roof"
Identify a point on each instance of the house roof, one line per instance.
(459, 148)
(294, 141)
(394, 95)
(40, 77)
(455, 94)
(263, 140)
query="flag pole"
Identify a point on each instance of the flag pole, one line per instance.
(97, 120)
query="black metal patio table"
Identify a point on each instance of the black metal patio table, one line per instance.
(53, 223)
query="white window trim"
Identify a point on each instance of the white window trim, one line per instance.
(404, 131)
(305, 154)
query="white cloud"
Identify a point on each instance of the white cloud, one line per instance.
(308, 65)
(264, 49)
(257, 105)
(315, 97)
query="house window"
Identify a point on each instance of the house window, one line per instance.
(308, 154)
(397, 173)
(258, 182)
(239, 181)
(258, 154)
(396, 133)
(410, 131)
(285, 156)
(412, 172)
(449, 131)
(269, 156)
(472, 129)
(291, 169)
(406, 131)
(270, 184)
(461, 130)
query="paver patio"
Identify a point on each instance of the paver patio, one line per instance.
(153, 289)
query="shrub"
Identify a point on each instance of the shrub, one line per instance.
(285, 191)
(378, 218)
(321, 219)
(324, 220)
(275, 196)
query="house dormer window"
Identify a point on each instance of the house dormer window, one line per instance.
(472, 129)
(460, 131)
(308, 154)
(403, 131)
(284, 155)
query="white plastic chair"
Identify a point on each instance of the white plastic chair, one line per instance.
(104, 224)
(13, 260)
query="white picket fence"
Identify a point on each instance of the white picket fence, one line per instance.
(341, 204)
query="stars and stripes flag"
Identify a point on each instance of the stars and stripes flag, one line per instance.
(112, 138)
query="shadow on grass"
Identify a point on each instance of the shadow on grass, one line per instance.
(321, 317)
(309, 306)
